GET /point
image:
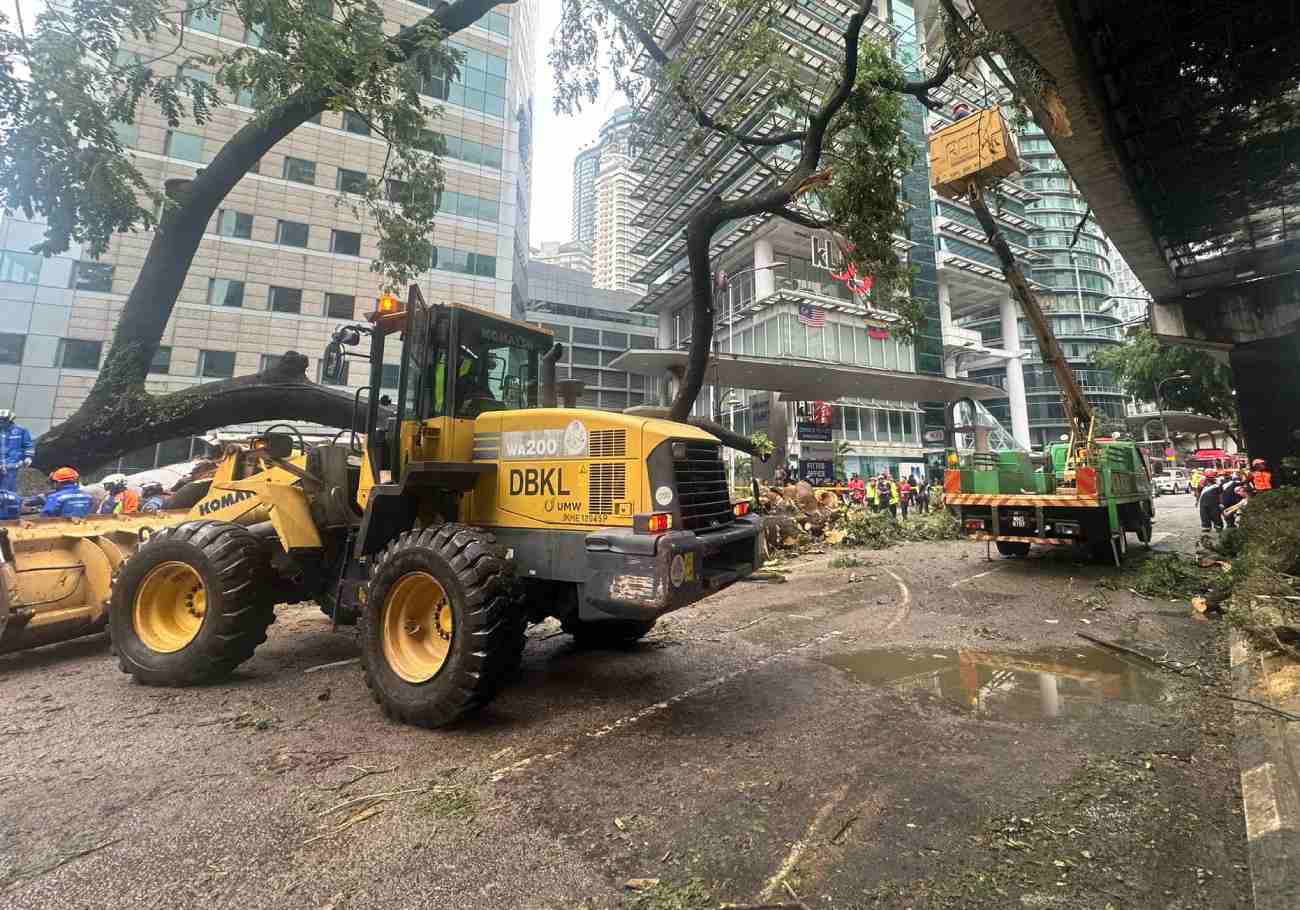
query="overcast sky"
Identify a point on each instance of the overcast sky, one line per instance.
(556, 139)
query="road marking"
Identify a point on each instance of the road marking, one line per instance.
(973, 577)
(1259, 801)
(904, 606)
(800, 846)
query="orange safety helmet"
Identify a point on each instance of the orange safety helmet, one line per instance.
(65, 475)
(1259, 463)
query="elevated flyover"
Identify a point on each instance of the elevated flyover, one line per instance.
(1186, 142)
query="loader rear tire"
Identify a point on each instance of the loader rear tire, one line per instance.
(440, 633)
(609, 633)
(1013, 548)
(191, 605)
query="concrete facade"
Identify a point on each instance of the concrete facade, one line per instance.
(595, 325)
(286, 259)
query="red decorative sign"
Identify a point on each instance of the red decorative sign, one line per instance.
(849, 275)
(877, 333)
(822, 413)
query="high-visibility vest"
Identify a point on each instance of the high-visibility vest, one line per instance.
(1262, 480)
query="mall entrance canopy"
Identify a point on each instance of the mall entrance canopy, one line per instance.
(808, 380)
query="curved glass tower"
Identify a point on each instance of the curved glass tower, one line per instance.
(1076, 283)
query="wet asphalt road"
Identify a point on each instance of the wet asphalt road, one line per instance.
(840, 737)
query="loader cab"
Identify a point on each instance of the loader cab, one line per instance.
(457, 362)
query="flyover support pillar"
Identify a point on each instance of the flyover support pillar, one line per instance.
(1015, 371)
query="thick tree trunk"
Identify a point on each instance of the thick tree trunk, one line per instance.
(699, 237)
(118, 416)
(138, 420)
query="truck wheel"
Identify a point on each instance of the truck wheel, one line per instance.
(1013, 547)
(191, 605)
(438, 637)
(609, 633)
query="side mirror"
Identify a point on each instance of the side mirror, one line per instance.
(332, 364)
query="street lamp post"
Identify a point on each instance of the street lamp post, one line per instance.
(1078, 288)
(1164, 424)
(731, 349)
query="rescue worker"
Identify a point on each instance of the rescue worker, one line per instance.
(1210, 504)
(151, 497)
(121, 499)
(905, 495)
(887, 490)
(16, 450)
(1231, 492)
(873, 497)
(857, 490)
(68, 499)
(1194, 482)
(1261, 478)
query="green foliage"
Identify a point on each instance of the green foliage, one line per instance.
(846, 562)
(693, 895)
(1144, 361)
(1265, 567)
(763, 444)
(91, 75)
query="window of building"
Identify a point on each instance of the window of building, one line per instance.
(299, 170)
(355, 123)
(392, 373)
(585, 336)
(76, 354)
(396, 190)
(267, 361)
(234, 224)
(203, 19)
(11, 348)
(20, 268)
(225, 292)
(586, 356)
(340, 306)
(291, 233)
(351, 181)
(479, 85)
(185, 146)
(189, 72)
(286, 300)
(91, 276)
(216, 364)
(162, 360)
(346, 242)
(127, 133)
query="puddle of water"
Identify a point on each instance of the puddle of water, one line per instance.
(1012, 685)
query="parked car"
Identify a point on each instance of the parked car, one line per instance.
(1172, 483)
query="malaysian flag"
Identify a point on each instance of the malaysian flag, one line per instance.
(811, 315)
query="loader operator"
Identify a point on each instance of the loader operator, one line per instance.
(121, 499)
(16, 450)
(68, 499)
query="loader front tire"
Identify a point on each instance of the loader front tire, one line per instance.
(191, 605)
(440, 632)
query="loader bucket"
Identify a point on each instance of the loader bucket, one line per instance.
(56, 574)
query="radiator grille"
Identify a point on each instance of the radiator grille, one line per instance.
(608, 444)
(702, 491)
(606, 485)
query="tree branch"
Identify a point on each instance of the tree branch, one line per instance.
(1079, 227)
(803, 220)
(818, 123)
(647, 40)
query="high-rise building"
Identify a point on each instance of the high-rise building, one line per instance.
(282, 263)
(595, 325)
(612, 259)
(586, 165)
(616, 139)
(573, 254)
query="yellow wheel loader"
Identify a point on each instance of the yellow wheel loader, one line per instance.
(443, 527)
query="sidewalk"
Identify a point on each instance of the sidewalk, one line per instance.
(1268, 753)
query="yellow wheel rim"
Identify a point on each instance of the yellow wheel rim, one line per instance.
(417, 627)
(169, 607)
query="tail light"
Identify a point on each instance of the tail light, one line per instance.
(741, 509)
(652, 523)
(974, 524)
